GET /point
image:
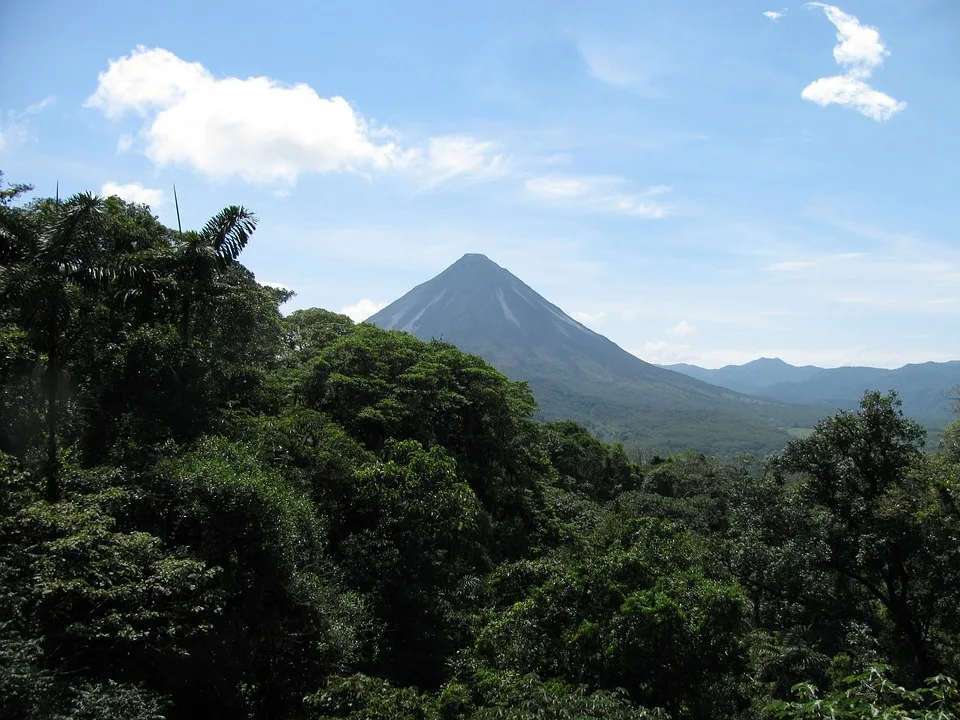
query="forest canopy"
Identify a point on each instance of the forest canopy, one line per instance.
(210, 508)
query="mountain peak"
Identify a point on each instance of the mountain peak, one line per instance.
(472, 297)
(483, 308)
(768, 361)
(474, 263)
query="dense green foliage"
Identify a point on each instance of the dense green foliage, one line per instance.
(208, 508)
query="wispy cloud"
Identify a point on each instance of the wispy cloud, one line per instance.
(263, 131)
(134, 192)
(775, 14)
(681, 328)
(15, 124)
(624, 65)
(789, 265)
(860, 51)
(38, 107)
(453, 156)
(598, 194)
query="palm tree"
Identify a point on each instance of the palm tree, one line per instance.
(47, 253)
(199, 257)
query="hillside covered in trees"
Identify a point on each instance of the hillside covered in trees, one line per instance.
(210, 509)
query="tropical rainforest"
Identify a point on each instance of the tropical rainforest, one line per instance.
(209, 508)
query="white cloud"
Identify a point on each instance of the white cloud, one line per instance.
(860, 51)
(461, 155)
(850, 90)
(362, 309)
(134, 192)
(275, 285)
(681, 328)
(15, 124)
(774, 15)
(263, 131)
(860, 47)
(124, 143)
(598, 194)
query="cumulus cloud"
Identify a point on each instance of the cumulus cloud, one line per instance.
(849, 90)
(681, 328)
(362, 309)
(134, 192)
(261, 130)
(859, 51)
(598, 194)
(15, 124)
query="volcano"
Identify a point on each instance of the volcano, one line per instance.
(578, 374)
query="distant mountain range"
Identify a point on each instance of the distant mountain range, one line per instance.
(922, 387)
(575, 373)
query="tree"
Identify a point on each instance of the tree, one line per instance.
(864, 521)
(199, 257)
(47, 256)
(871, 694)
(634, 609)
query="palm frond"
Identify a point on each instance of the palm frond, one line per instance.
(17, 239)
(70, 236)
(229, 231)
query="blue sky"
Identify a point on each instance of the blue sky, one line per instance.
(704, 181)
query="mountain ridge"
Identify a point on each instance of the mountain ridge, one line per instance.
(576, 373)
(923, 387)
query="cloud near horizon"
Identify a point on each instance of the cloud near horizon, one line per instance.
(362, 309)
(860, 51)
(134, 192)
(265, 132)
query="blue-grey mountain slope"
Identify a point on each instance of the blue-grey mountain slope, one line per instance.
(923, 387)
(752, 377)
(578, 374)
